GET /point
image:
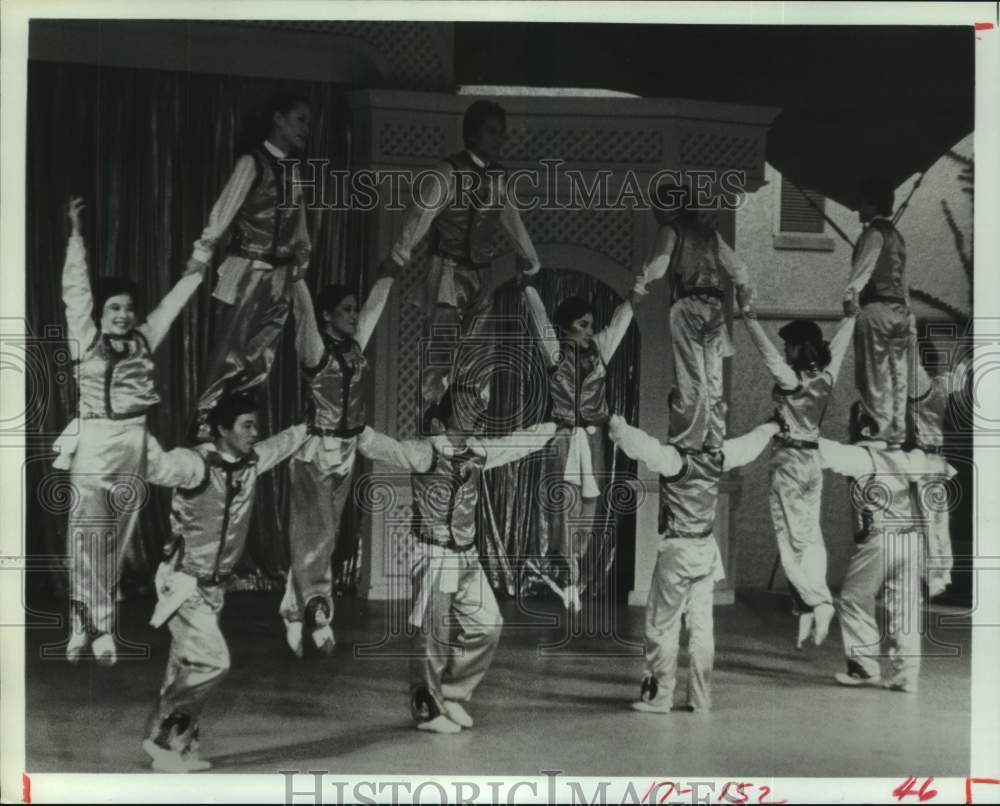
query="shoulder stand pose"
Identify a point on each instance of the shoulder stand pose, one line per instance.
(449, 586)
(689, 562)
(804, 378)
(105, 447)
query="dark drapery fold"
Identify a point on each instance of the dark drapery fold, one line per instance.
(512, 524)
(150, 151)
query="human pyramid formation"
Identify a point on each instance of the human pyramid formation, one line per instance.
(261, 281)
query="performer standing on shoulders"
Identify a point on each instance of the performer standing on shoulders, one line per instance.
(804, 378)
(268, 252)
(333, 364)
(698, 259)
(878, 285)
(462, 210)
(105, 447)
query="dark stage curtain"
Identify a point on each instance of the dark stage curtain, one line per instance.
(150, 151)
(511, 523)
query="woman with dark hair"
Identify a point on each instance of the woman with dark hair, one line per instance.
(804, 378)
(333, 364)
(268, 252)
(577, 359)
(105, 447)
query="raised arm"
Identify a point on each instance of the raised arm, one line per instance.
(607, 340)
(544, 331)
(76, 293)
(838, 346)
(510, 220)
(279, 447)
(783, 374)
(847, 460)
(308, 341)
(732, 263)
(429, 199)
(517, 445)
(158, 323)
(371, 311)
(637, 444)
(415, 455)
(866, 256)
(658, 262)
(225, 209)
(743, 450)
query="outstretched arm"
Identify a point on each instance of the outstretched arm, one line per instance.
(866, 256)
(415, 455)
(658, 262)
(847, 460)
(783, 374)
(181, 467)
(371, 311)
(159, 321)
(76, 292)
(279, 447)
(517, 445)
(429, 199)
(225, 209)
(510, 220)
(637, 444)
(308, 341)
(743, 450)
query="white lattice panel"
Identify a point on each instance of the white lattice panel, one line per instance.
(607, 232)
(700, 147)
(584, 145)
(411, 140)
(411, 319)
(411, 48)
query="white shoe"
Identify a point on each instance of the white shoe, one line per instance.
(845, 679)
(293, 636)
(457, 714)
(806, 621)
(440, 724)
(77, 645)
(104, 650)
(324, 640)
(571, 598)
(651, 707)
(165, 760)
(899, 685)
(651, 699)
(824, 616)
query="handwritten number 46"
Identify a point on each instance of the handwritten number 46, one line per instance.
(908, 789)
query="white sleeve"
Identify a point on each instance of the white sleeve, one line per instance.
(159, 321)
(510, 220)
(783, 374)
(544, 330)
(658, 261)
(78, 298)
(637, 444)
(371, 311)
(281, 446)
(869, 248)
(181, 467)
(732, 263)
(422, 212)
(743, 450)
(517, 445)
(229, 202)
(838, 346)
(413, 454)
(607, 340)
(846, 460)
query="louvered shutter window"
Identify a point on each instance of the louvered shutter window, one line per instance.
(797, 214)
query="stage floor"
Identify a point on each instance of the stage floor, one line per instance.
(776, 711)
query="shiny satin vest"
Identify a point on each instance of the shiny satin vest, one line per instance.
(695, 259)
(116, 377)
(926, 414)
(464, 230)
(213, 518)
(445, 498)
(688, 500)
(800, 411)
(577, 387)
(888, 277)
(336, 402)
(262, 229)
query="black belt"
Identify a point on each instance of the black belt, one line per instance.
(580, 423)
(788, 442)
(880, 298)
(710, 291)
(274, 260)
(340, 433)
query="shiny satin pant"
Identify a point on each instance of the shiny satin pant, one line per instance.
(795, 499)
(199, 657)
(891, 562)
(683, 584)
(314, 523)
(246, 334)
(456, 625)
(881, 348)
(106, 475)
(697, 405)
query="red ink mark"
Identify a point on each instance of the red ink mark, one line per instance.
(25, 788)
(908, 789)
(970, 781)
(984, 26)
(670, 791)
(765, 791)
(740, 793)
